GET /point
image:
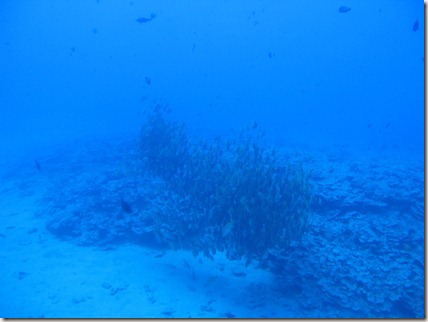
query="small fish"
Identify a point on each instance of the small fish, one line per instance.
(344, 9)
(388, 124)
(37, 164)
(239, 274)
(210, 280)
(229, 315)
(369, 125)
(160, 255)
(248, 261)
(171, 266)
(153, 16)
(208, 254)
(143, 20)
(148, 80)
(227, 229)
(416, 25)
(32, 231)
(186, 264)
(22, 275)
(125, 206)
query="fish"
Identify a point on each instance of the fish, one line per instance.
(227, 229)
(229, 315)
(248, 261)
(186, 264)
(195, 252)
(22, 275)
(160, 255)
(210, 280)
(143, 20)
(37, 164)
(344, 9)
(148, 80)
(208, 254)
(125, 206)
(416, 25)
(239, 274)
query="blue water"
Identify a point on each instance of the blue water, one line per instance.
(189, 222)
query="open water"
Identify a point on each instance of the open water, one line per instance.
(212, 159)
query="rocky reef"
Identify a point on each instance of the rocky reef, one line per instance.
(362, 254)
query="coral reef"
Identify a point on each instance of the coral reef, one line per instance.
(362, 255)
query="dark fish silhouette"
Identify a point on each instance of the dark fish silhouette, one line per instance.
(37, 164)
(416, 25)
(125, 206)
(160, 255)
(148, 80)
(239, 274)
(143, 20)
(344, 9)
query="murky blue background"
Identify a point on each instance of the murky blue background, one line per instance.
(305, 71)
(312, 75)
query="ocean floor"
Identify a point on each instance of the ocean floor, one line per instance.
(362, 257)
